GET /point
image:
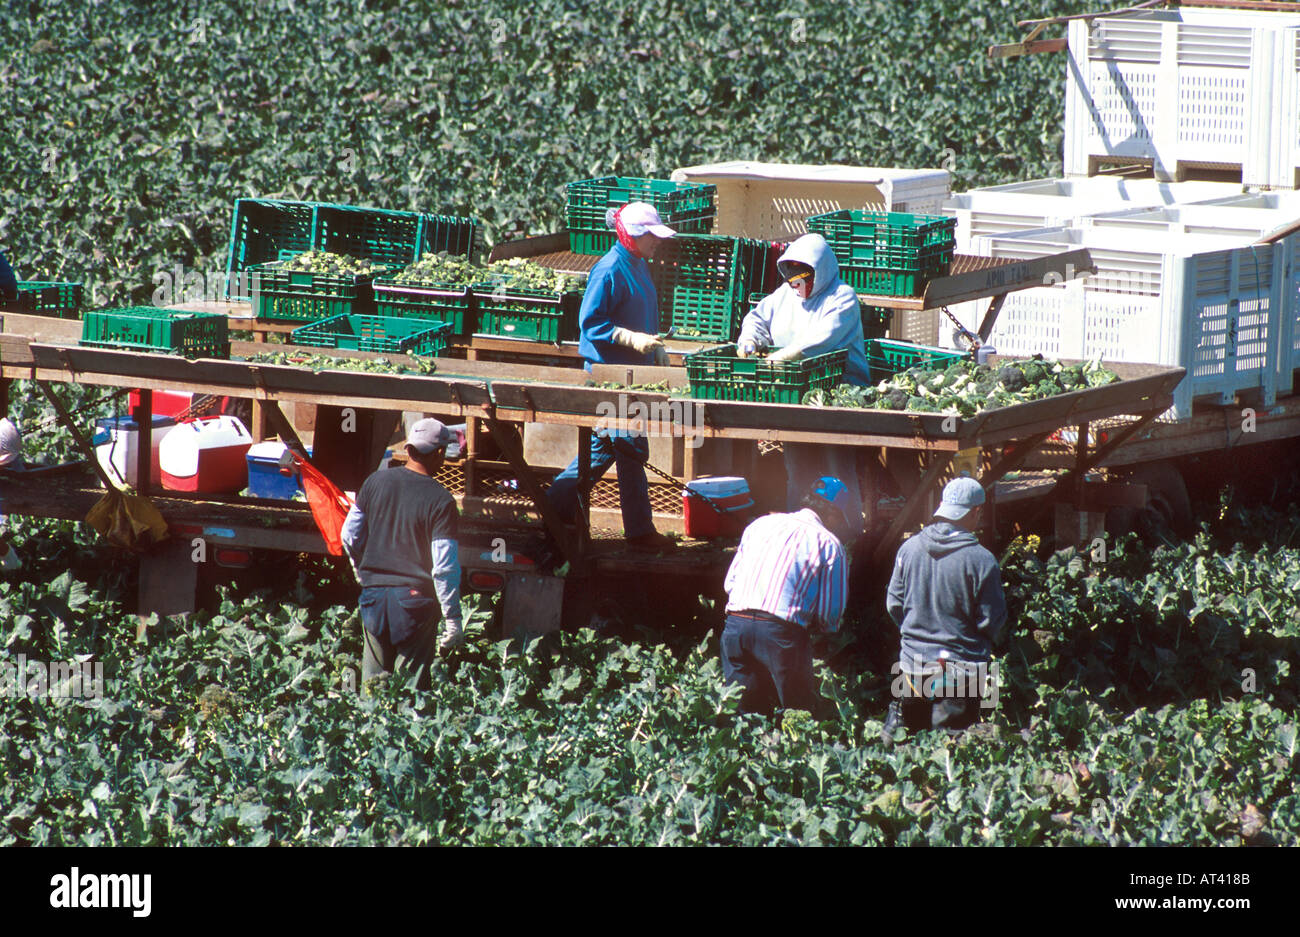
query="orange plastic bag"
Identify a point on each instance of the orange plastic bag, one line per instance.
(329, 505)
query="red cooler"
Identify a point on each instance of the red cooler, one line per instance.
(206, 456)
(724, 514)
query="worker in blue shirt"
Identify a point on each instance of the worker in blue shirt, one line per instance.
(814, 312)
(619, 322)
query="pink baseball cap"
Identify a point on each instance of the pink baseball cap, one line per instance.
(640, 218)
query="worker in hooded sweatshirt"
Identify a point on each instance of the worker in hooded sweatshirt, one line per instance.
(814, 312)
(946, 597)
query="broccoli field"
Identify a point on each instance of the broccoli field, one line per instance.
(1147, 696)
(1146, 699)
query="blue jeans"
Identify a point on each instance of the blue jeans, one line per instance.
(807, 462)
(630, 456)
(771, 659)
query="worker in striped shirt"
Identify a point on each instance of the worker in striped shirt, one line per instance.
(789, 577)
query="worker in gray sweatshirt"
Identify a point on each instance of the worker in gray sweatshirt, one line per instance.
(945, 595)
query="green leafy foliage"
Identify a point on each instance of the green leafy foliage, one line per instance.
(313, 362)
(338, 265)
(132, 128)
(964, 388)
(1122, 719)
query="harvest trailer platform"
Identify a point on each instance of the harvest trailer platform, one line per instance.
(918, 448)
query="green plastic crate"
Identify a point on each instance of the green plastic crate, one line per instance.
(376, 333)
(720, 374)
(703, 314)
(714, 271)
(687, 207)
(299, 295)
(265, 230)
(888, 281)
(40, 298)
(438, 301)
(850, 227)
(147, 328)
(528, 314)
(887, 357)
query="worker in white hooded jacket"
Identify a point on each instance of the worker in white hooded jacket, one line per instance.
(812, 313)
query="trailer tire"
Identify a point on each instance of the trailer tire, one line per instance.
(1168, 508)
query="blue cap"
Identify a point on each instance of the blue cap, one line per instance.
(960, 496)
(831, 489)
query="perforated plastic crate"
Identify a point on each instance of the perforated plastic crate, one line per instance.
(859, 233)
(376, 333)
(282, 294)
(1220, 307)
(888, 358)
(720, 374)
(709, 274)
(687, 207)
(63, 300)
(1181, 90)
(774, 200)
(440, 302)
(536, 316)
(147, 328)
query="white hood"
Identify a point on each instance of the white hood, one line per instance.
(812, 249)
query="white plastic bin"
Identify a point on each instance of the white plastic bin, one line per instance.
(1218, 306)
(1181, 89)
(1050, 203)
(773, 201)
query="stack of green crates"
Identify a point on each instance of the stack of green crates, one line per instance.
(375, 333)
(147, 328)
(686, 207)
(265, 230)
(40, 298)
(888, 253)
(721, 374)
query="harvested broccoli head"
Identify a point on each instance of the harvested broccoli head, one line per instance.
(1101, 377)
(1012, 378)
(955, 370)
(896, 399)
(1033, 371)
(922, 405)
(1071, 377)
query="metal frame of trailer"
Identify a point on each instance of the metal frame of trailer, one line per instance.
(498, 396)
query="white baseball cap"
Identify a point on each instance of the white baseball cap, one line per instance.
(959, 496)
(640, 218)
(429, 434)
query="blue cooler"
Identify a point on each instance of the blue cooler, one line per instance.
(267, 478)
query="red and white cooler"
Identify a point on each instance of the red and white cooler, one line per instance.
(724, 514)
(206, 456)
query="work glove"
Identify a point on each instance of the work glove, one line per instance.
(747, 348)
(452, 635)
(640, 342)
(786, 354)
(661, 356)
